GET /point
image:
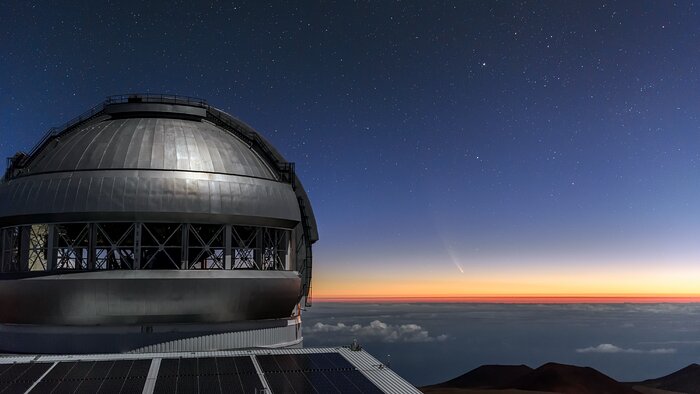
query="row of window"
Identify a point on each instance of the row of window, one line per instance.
(118, 246)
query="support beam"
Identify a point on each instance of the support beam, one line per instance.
(185, 247)
(288, 249)
(24, 248)
(2, 249)
(137, 246)
(92, 237)
(152, 376)
(227, 247)
(50, 245)
(258, 251)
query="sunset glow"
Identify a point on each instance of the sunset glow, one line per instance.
(612, 285)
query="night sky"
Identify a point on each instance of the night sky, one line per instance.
(463, 148)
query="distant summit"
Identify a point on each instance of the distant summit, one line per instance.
(562, 378)
(570, 379)
(488, 376)
(686, 380)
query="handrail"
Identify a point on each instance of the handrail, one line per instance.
(156, 98)
(118, 99)
(285, 170)
(54, 131)
(21, 161)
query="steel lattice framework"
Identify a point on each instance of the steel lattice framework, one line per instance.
(142, 246)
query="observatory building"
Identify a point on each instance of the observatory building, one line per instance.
(152, 223)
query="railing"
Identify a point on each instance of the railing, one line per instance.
(156, 98)
(117, 99)
(54, 131)
(284, 169)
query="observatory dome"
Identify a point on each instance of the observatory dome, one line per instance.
(152, 211)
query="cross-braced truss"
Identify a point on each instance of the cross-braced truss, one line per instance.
(38, 238)
(206, 247)
(160, 245)
(73, 244)
(114, 246)
(243, 252)
(125, 246)
(274, 250)
(10, 249)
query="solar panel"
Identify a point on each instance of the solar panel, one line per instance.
(313, 373)
(250, 383)
(99, 370)
(88, 386)
(209, 384)
(136, 378)
(166, 385)
(3, 369)
(54, 377)
(132, 385)
(336, 360)
(23, 380)
(73, 377)
(244, 365)
(319, 380)
(188, 367)
(279, 383)
(207, 375)
(232, 384)
(207, 366)
(120, 369)
(121, 376)
(187, 384)
(14, 372)
(140, 369)
(111, 385)
(95, 378)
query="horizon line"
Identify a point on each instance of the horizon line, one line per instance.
(521, 299)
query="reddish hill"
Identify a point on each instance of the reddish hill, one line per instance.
(487, 376)
(686, 380)
(570, 379)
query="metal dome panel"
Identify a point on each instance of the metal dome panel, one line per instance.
(153, 195)
(150, 143)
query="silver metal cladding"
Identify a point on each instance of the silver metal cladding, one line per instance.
(152, 209)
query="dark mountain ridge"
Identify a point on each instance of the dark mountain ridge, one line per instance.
(488, 376)
(567, 379)
(686, 380)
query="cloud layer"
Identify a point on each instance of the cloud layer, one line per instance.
(378, 330)
(610, 348)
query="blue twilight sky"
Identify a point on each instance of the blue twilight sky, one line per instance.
(469, 136)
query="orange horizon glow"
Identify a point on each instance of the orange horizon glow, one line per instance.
(616, 283)
(528, 299)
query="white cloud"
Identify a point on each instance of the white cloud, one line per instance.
(610, 348)
(378, 330)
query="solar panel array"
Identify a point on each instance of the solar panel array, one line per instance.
(313, 373)
(17, 378)
(208, 375)
(328, 370)
(120, 376)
